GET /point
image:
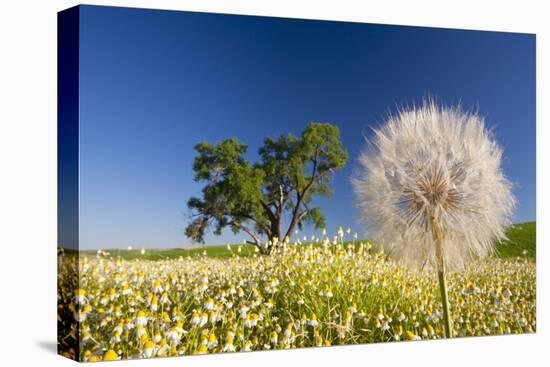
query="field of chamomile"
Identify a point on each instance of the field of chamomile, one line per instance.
(319, 292)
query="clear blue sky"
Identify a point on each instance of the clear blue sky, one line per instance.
(154, 83)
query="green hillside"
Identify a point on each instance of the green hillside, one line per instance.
(521, 242)
(162, 254)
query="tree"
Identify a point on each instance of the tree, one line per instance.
(256, 198)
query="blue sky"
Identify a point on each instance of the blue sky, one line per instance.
(154, 83)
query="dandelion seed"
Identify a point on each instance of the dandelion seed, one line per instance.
(432, 189)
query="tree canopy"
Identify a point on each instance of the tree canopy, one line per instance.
(256, 198)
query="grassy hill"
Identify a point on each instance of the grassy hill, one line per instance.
(521, 242)
(172, 253)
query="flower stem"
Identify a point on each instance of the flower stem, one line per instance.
(442, 279)
(445, 302)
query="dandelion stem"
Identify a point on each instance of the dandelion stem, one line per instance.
(442, 279)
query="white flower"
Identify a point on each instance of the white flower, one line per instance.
(80, 296)
(141, 319)
(313, 322)
(140, 331)
(432, 165)
(195, 318)
(209, 304)
(173, 336)
(203, 319)
(229, 347)
(148, 351)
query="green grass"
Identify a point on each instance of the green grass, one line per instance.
(521, 242)
(173, 253)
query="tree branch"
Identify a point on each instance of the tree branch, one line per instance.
(262, 225)
(250, 232)
(267, 210)
(300, 196)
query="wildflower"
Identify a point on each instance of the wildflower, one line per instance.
(203, 349)
(117, 330)
(274, 338)
(157, 287)
(313, 320)
(110, 355)
(412, 336)
(141, 319)
(80, 296)
(173, 336)
(288, 331)
(129, 324)
(140, 331)
(148, 349)
(212, 341)
(154, 304)
(195, 318)
(440, 165)
(209, 305)
(251, 320)
(341, 329)
(247, 347)
(126, 290)
(83, 313)
(434, 182)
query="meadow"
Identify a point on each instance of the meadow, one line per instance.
(332, 291)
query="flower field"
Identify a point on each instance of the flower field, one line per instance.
(299, 296)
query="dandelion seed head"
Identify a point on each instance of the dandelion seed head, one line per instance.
(433, 165)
